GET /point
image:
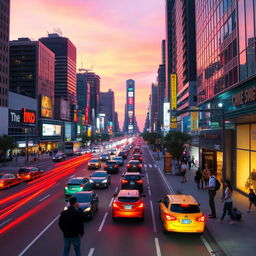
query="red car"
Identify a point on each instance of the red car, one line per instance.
(136, 150)
(29, 173)
(8, 179)
(128, 204)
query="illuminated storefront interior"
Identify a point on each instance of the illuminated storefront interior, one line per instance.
(246, 157)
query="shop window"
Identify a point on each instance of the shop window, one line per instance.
(243, 136)
(251, 182)
(253, 137)
(242, 160)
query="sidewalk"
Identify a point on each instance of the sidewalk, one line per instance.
(15, 165)
(237, 239)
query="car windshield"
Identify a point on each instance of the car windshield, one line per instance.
(58, 154)
(1, 176)
(134, 162)
(83, 198)
(185, 208)
(130, 199)
(94, 160)
(104, 155)
(132, 177)
(111, 163)
(99, 174)
(24, 170)
(118, 158)
(74, 182)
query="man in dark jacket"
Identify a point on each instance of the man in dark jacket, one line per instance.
(72, 225)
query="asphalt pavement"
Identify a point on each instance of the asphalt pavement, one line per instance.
(32, 229)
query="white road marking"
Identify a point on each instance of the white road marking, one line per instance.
(91, 252)
(111, 201)
(71, 176)
(38, 236)
(116, 189)
(158, 252)
(147, 175)
(57, 184)
(207, 245)
(5, 222)
(145, 165)
(155, 165)
(103, 222)
(168, 186)
(149, 192)
(150, 165)
(42, 199)
(153, 216)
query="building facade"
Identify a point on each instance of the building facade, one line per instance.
(226, 73)
(154, 112)
(4, 63)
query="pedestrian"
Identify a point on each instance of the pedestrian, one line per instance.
(72, 225)
(189, 162)
(199, 178)
(193, 161)
(183, 172)
(212, 193)
(252, 199)
(228, 203)
(206, 175)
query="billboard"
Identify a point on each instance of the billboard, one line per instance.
(173, 99)
(64, 110)
(46, 107)
(166, 116)
(51, 130)
(194, 120)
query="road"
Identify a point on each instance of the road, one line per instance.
(32, 229)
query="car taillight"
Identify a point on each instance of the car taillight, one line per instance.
(128, 165)
(140, 158)
(115, 205)
(141, 205)
(81, 185)
(105, 166)
(116, 165)
(170, 217)
(201, 218)
(139, 181)
(140, 165)
(124, 181)
(133, 158)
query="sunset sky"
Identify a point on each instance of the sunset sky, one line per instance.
(121, 39)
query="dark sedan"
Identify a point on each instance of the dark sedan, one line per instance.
(104, 157)
(132, 180)
(111, 166)
(8, 179)
(134, 165)
(137, 157)
(59, 157)
(123, 154)
(100, 179)
(119, 160)
(88, 201)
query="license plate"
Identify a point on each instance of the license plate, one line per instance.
(110, 167)
(185, 221)
(73, 188)
(132, 182)
(127, 207)
(134, 166)
(97, 184)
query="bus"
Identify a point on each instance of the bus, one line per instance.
(71, 147)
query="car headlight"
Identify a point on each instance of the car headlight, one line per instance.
(65, 208)
(87, 209)
(91, 181)
(105, 181)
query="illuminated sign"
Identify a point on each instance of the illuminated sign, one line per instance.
(46, 107)
(173, 99)
(166, 117)
(51, 130)
(130, 101)
(130, 89)
(86, 115)
(130, 114)
(28, 116)
(194, 120)
(245, 96)
(64, 110)
(130, 94)
(75, 116)
(79, 129)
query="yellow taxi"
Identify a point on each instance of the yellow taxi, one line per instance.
(181, 213)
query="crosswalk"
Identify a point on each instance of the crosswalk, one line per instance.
(150, 165)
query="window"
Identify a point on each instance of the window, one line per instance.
(241, 20)
(249, 22)
(251, 65)
(243, 66)
(185, 208)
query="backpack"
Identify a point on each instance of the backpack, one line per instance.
(217, 184)
(237, 214)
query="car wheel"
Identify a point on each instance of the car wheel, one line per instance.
(142, 219)
(165, 232)
(91, 215)
(114, 218)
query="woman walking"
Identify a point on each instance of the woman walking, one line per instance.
(183, 172)
(199, 178)
(228, 203)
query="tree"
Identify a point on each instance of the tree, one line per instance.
(175, 142)
(6, 142)
(151, 137)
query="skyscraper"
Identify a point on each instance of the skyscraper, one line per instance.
(154, 118)
(4, 63)
(129, 122)
(65, 66)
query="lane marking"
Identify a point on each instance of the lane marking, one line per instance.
(103, 222)
(42, 199)
(38, 236)
(5, 222)
(149, 192)
(155, 165)
(91, 252)
(147, 175)
(145, 165)
(111, 201)
(166, 183)
(153, 216)
(207, 245)
(150, 165)
(116, 189)
(158, 252)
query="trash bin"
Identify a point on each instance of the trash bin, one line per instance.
(168, 163)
